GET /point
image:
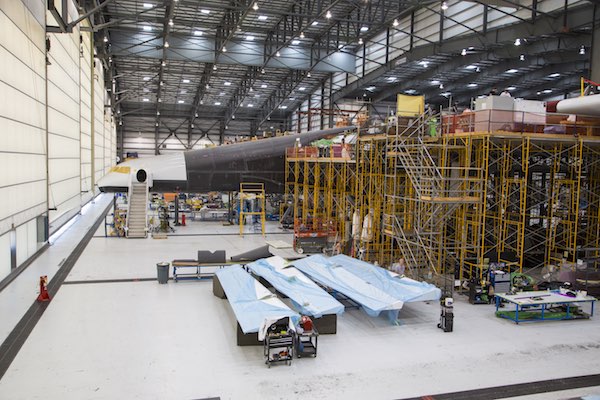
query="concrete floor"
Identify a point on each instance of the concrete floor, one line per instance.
(142, 340)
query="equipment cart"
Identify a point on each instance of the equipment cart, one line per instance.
(279, 347)
(306, 343)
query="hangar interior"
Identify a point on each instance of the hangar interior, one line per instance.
(198, 192)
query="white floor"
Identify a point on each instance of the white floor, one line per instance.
(142, 340)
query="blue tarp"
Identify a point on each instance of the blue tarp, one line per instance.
(254, 305)
(371, 298)
(306, 295)
(402, 288)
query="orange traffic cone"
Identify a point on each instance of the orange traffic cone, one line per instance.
(43, 296)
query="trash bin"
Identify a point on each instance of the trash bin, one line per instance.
(162, 270)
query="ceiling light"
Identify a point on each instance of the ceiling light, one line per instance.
(262, 17)
(156, 124)
(278, 54)
(511, 88)
(201, 102)
(441, 85)
(146, 100)
(471, 66)
(217, 103)
(233, 116)
(222, 94)
(301, 35)
(105, 39)
(302, 88)
(192, 126)
(364, 28)
(392, 78)
(186, 81)
(547, 91)
(554, 75)
(582, 50)
(262, 71)
(435, 82)
(292, 98)
(159, 100)
(158, 113)
(283, 107)
(410, 91)
(171, 23)
(162, 83)
(147, 5)
(255, 6)
(477, 69)
(205, 11)
(424, 64)
(224, 49)
(522, 57)
(512, 71)
(328, 14)
(472, 85)
(180, 101)
(395, 23)
(444, 6)
(196, 114)
(147, 28)
(463, 52)
(251, 90)
(163, 63)
(146, 78)
(371, 88)
(227, 83)
(446, 94)
(250, 37)
(264, 86)
(214, 67)
(167, 44)
(295, 42)
(315, 23)
(308, 75)
(197, 33)
(517, 42)
(207, 86)
(360, 41)
(250, 105)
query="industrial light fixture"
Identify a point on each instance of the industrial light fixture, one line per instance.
(295, 42)
(301, 35)
(264, 85)
(156, 124)
(582, 50)
(315, 23)
(171, 23)
(472, 85)
(554, 75)
(250, 105)
(517, 42)
(395, 23)
(255, 6)
(478, 69)
(147, 28)
(205, 11)
(364, 28)
(302, 88)
(147, 5)
(146, 78)
(224, 49)
(162, 83)
(196, 114)
(278, 54)
(158, 113)
(441, 85)
(360, 41)
(511, 88)
(262, 71)
(105, 39)
(185, 81)
(233, 117)
(522, 57)
(250, 37)
(512, 71)
(166, 44)
(159, 100)
(251, 90)
(435, 82)
(283, 107)
(262, 17)
(197, 33)
(163, 63)
(308, 75)
(547, 91)
(145, 100)
(227, 83)
(328, 14)
(217, 103)
(471, 66)
(463, 52)
(444, 6)
(214, 67)
(192, 126)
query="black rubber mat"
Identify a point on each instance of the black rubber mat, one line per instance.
(17, 337)
(521, 389)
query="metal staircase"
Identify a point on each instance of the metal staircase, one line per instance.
(424, 191)
(137, 219)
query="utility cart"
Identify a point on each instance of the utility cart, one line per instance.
(279, 343)
(306, 343)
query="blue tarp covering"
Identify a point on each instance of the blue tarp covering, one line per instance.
(405, 289)
(252, 303)
(371, 298)
(306, 296)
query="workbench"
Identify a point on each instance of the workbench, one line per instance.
(193, 270)
(544, 306)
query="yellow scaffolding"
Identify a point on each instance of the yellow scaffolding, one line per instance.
(252, 192)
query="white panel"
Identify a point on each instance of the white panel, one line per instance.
(4, 255)
(19, 138)
(32, 237)
(22, 167)
(61, 147)
(26, 80)
(19, 107)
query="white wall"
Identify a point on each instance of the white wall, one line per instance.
(46, 126)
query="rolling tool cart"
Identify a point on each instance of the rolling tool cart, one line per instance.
(279, 343)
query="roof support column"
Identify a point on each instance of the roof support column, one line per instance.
(595, 50)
